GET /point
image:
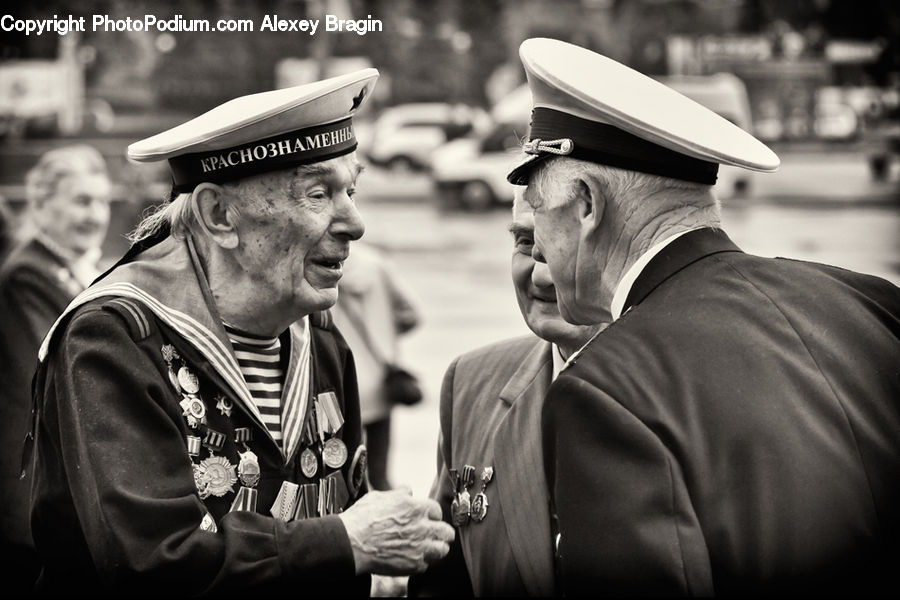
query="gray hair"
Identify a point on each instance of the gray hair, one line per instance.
(42, 181)
(554, 182)
(177, 214)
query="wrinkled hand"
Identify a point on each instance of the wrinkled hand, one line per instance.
(393, 533)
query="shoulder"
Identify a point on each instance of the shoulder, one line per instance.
(109, 320)
(29, 262)
(506, 352)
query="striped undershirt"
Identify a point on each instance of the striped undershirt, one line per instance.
(259, 359)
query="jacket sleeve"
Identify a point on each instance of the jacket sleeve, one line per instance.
(626, 523)
(109, 432)
(449, 576)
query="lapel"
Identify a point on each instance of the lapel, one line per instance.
(684, 251)
(519, 471)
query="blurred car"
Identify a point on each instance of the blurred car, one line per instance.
(836, 121)
(470, 172)
(404, 136)
(726, 95)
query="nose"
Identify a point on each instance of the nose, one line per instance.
(537, 254)
(540, 276)
(349, 222)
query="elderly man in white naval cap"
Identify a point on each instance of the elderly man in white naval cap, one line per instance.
(736, 429)
(196, 414)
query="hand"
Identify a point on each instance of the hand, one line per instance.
(392, 533)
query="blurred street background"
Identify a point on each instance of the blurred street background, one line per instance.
(818, 80)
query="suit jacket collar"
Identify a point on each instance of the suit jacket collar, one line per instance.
(682, 252)
(528, 369)
(520, 481)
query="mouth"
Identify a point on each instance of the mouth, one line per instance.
(544, 298)
(331, 262)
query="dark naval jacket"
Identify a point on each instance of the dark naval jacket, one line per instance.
(737, 431)
(117, 505)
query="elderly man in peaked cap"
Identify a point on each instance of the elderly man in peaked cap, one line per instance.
(196, 415)
(736, 429)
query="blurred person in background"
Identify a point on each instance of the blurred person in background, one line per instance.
(196, 424)
(490, 417)
(735, 430)
(373, 310)
(68, 194)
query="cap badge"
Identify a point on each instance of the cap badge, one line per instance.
(561, 146)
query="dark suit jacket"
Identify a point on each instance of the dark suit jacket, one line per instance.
(35, 287)
(490, 416)
(736, 431)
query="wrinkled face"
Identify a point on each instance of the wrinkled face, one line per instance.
(295, 234)
(557, 242)
(77, 215)
(535, 291)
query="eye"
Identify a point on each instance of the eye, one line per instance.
(317, 193)
(351, 192)
(524, 243)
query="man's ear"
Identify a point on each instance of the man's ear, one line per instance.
(214, 214)
(590, 199)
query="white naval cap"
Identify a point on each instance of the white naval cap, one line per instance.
(590, 107)
(262, 132)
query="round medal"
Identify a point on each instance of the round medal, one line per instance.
(196, 407)
(219, 475)
(335, 453)
(189, 382)
(248, 468)
(479, 507)
(309, 464)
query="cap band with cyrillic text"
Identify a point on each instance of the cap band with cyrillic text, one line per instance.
(299, 147)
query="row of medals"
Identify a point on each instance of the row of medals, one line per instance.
(464, 507)
(215, 475)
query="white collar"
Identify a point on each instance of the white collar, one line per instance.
(558, 361)
(624, 286)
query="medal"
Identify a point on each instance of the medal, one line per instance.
(169, 354)
(285, 502)
(480, 502)
(244, 500)
(208, 524)
(335, 453)
(328, 404)
(218, 474)
(248, 469)
(173, 379)
(357, 472)
(189, 382)
(479, 507)
(193, 445)
(309, 464)
(201, 482)
(242, 435)
(213, 440)
(224, 405)
(462, 506)
(468, 476)
(194, 410)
